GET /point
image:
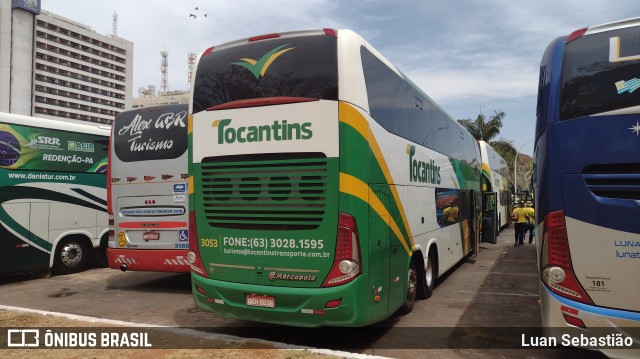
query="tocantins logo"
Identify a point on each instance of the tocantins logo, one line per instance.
(421, 171)
(278, 131)
(9, 149)
(259, 67)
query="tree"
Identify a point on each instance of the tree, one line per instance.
(506, 150)
(483, 130)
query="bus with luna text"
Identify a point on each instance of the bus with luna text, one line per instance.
(147, 193)
(53, 209)
(320, 177)
(587, 184)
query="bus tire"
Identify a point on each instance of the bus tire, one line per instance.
(412, 284)
(427, 281)
(71, 255)
(99, 258)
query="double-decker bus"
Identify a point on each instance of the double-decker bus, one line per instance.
(495, 179)
(147, 193)
(587, 181)
(320, 176)
(53, 213)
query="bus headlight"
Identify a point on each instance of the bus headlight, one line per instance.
(191, 257)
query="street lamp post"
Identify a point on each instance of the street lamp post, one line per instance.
(515, 167)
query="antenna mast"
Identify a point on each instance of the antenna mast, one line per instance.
(115, 24)
(164, 70)
(191, 60)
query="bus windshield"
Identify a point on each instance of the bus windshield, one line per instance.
(237, 72)
(599, 74)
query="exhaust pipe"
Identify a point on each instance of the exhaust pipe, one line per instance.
(124, 267)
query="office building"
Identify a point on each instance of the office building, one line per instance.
(58, 68)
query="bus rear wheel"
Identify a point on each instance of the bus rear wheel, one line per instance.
(71, 256)
(412, 285)
(428, 282)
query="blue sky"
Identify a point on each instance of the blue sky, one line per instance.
(468, 55)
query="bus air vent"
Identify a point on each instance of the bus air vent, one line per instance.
(265, 191)
(619, 181)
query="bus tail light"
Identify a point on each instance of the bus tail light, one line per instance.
(257, 102)
(264, 37)
(207, 51)
(330, 32)
(556, 266)
(575, 35)
(346, 262)
(194, 250)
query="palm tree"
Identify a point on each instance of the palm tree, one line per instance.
(484, 130)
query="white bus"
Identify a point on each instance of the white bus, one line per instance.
(495, 179)
(147, 190)
(326, 189)
(53, 213)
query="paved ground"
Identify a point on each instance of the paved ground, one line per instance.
(481, 303)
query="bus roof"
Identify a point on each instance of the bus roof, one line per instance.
(89, 128)
(613, 26)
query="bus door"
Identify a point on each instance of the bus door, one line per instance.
(489, 218)
(467, 220)
(379, 255)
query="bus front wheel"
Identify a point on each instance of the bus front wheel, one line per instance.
(72, 255)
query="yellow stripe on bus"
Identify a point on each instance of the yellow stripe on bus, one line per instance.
(353, 118)
(355, 187)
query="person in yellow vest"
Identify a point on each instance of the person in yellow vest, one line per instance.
(530, 218)
(520, 223)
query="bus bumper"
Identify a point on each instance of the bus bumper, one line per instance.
(607, 326)
(300, 307)
(162, 260)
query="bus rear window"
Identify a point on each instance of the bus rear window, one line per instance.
(154, 133)
(292, 66)
(593, 81)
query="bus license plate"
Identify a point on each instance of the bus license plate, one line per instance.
(265, 301)
(151, 236)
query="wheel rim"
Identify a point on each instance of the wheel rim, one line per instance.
(71, 254)
(428, 274)
(413, 282)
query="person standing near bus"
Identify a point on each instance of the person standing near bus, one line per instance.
(518, 217)
(529, 217)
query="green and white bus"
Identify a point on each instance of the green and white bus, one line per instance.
(495, 182)
(326, 189)
(53, 208)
